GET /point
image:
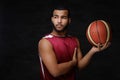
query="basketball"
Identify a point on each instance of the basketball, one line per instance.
(98, 31)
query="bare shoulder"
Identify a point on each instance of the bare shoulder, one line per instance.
(43, 43)
(43, 40)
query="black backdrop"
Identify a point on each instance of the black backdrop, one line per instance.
(23, 23)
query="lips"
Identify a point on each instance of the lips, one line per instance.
(59, 25)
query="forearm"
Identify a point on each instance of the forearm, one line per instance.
(62, 68)
(84, 61)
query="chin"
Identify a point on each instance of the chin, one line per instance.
(60, 29)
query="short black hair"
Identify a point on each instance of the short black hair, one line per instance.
(61, 7)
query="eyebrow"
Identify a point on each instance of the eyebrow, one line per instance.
(62, 16)
(55, 15)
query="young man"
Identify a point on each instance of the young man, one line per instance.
(59, 52)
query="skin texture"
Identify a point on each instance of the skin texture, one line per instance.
(61, 21)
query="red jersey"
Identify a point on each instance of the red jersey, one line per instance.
(64, 50)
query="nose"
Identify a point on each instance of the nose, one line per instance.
(59, 20)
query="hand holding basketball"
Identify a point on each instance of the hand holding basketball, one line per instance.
(98, 32)
(99, 48)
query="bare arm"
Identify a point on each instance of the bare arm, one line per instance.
(49, 59)
(84, 61)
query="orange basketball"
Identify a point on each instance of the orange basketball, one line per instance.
(98, 32)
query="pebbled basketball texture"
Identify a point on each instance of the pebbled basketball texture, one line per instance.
(99, 31)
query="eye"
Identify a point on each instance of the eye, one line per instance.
(64, 17)
(55, 17)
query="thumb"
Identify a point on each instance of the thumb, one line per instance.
(75, 52)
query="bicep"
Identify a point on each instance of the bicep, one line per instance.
(47, 55)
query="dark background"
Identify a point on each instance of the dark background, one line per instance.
(23, 23)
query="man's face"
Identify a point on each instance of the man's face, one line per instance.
(60, 20)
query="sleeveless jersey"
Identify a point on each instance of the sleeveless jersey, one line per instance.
(64, 49)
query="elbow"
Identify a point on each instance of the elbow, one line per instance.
(81, 67)
(55, 74)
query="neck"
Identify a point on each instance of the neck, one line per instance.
(61, 34)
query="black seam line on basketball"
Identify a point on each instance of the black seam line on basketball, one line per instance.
(98, 32)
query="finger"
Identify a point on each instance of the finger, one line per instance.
(106, 45)
(98, 46)
(75, 51)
